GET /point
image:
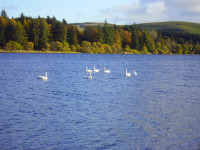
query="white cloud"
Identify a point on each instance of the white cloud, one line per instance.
(155, 8)
(156, 11)
(188, 5)
(126, 8)
(141, 11)
(136, 12)
(184, 10)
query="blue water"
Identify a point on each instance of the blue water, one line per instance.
(158, 109)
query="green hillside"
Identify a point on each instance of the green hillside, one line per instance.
(172, 26)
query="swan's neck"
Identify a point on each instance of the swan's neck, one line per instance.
(90, 77)
(46, 74)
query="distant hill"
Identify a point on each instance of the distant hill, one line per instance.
(85, 24)
(81, 26)
(173, 26)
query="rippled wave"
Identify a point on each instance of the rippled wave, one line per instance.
(158, 109)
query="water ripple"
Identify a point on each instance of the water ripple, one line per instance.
(155, 110)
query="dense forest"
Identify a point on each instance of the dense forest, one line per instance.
(50, 34)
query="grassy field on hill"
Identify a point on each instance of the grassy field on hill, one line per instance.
(173, 26)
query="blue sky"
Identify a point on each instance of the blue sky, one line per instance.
(115, 11)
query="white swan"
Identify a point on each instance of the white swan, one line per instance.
(106, 71)
(95, 70)
(43, 77)
(128, 74)
(135, 73)
(88, 77)
(87, 70)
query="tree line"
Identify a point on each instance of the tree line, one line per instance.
(50, 34)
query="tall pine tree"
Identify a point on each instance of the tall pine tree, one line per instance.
(108, 34)
(44, 34)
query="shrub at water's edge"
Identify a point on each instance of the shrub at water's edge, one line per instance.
(12, 45)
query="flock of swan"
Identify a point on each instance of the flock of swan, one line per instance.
(128, 74)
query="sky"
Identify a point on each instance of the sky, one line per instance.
(120, 12)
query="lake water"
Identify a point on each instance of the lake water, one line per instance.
(157, 109)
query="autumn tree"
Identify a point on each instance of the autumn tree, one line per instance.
(29, 46)
(86, 47)
(72, 35)
(35, 33)
(91, 34)
(118, 39)
(12, 45)
(2, 31)
(127, 39)
(21, 36)
(107, 49)
(149, 42)
(196, 48)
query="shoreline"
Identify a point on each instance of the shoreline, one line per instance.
(37, 51)
(47, 52)
(60, 52)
